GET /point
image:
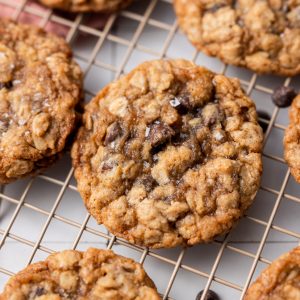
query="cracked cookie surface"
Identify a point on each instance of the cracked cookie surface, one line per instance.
(93, 274)
(105, 6)
(261, 35)
(40, 86)
(280, 281)
(169, 154)
(291, 140)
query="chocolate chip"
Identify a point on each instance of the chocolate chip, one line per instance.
(181, 103)
(263, 115)
(206, 147)
(4, 124)
(244, 111)
(128, 269)
(147, 181)
(179, 138)
(106, 166)
(212, 116)
(39, 291)
(160, 133)
(185, 101)
(7, 85)
(283, 96)
(113, 131)
(210, 295)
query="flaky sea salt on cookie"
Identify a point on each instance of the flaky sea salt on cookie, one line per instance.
(169, 154)
(40, 85)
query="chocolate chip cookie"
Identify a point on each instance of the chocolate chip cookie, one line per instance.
(94, 274)
(292, 138)
(40, 86)
(279, 281)
(261, 35)
(105, 6)
(170, 154)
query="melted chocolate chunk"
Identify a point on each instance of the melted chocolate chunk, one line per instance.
(213, 120)
(181, 103)
(147, 181)
(185, 101)
(283, 96)
(39, 292)
(4, 124)
(6, 85)
(244, 111)
(206, 148)
(106, 166)
(113, 132)
(160, 133)
(179, 138)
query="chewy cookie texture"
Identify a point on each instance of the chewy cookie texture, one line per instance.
(40, 86)
(292, 138)
(105, 6)
(262, 35)
(279, 281)
(169, 154)
(93, 274)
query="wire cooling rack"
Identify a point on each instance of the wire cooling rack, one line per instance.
(45, 214)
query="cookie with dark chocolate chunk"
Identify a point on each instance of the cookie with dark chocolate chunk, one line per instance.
(40, 85)
(93, 274)
(159, 175)
(261, 35)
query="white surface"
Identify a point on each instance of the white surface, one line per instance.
(233, 267)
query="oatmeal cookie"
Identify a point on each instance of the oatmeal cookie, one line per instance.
(292, 140)
(169, 154)
(279, 281)
(261, 35)
(40, 86)
(94, 274)
(105, 6)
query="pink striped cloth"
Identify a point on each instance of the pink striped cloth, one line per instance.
(94, 20)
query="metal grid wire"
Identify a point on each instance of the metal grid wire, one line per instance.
(281, 190)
